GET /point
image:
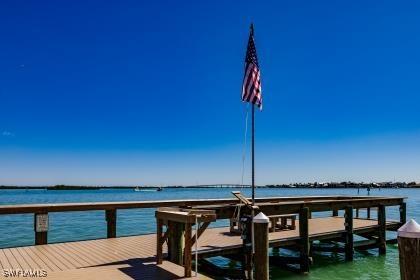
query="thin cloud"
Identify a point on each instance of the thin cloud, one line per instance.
(8, 134)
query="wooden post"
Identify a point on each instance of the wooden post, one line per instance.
(261, 262)
(357, 213)
(348, 225)
(409, 249)
(188, 250)
(335, 212)
(41, 224)
(175, 242)
(111, 221)
(159, 242)
(368, 212)
(403, 213)
(304, 239)
(382, 230)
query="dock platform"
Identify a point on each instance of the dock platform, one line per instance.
(184, 234)
(134, 257)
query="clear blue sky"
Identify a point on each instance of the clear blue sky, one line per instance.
(148, 92)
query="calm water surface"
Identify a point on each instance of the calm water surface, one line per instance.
(17, 230)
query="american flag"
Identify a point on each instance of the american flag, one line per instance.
(251, 86)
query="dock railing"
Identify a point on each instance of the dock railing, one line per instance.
(225, 208)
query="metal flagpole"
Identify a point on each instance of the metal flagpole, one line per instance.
(252, 155)
(252, 139)
(253, 186)
(253, 175)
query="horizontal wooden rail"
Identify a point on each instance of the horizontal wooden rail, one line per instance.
(65, 207)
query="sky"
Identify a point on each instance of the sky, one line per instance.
(148, 92)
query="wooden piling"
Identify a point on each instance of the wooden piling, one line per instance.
(175, 242)
(403, 213)
(348, 225)
(304, 239)
(382, 230)
(41, 234)
(188, 250)
(111, 221)
(159, 241)
(409, 250)
(335, 212)
(261, 260)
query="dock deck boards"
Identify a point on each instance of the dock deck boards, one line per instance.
(133, 257)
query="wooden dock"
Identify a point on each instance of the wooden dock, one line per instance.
(115, 258)
(135, 257)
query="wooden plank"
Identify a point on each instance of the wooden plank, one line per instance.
(48, 263)
(29, 253)
(24, 255)
(84, 258)
(3, 261)
(14, 264)
(72, 262)
(49, 252)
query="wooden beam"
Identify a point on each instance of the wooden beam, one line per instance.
(261, 263)
(188, 250)
(201, 229)
(175, 242)
(334, 249)
(111, 222)
(304, 239)
(382, 230)
(159, 243)
(242, 198)
(348, 225)
(409, 256)
(41, 236)
(364, 245)
(403, 213)
(283, 260)
(317, 202)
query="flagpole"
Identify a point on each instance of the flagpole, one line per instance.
(253, 139)
(252, 154)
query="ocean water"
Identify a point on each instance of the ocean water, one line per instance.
(17, 230)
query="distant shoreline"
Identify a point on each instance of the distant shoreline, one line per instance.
(283, 186)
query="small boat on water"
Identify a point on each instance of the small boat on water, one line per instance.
(148, 189)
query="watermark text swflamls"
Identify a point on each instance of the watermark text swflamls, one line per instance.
(30, 273)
